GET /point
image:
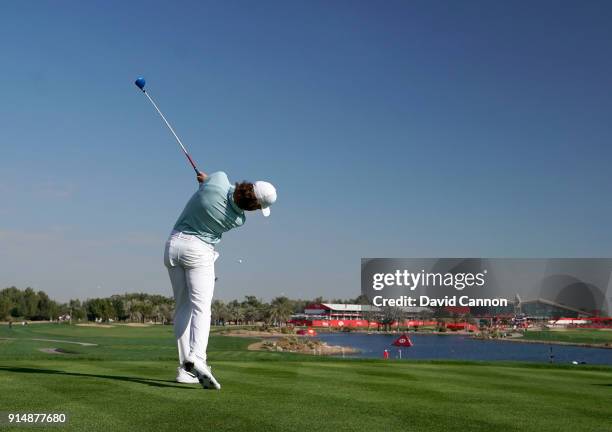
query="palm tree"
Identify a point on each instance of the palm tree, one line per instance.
(219, 312)
(249, 314)
(280, 310)
(235, 312)
(134, 308)
(166, 312)
(147, 310)
(156, 312)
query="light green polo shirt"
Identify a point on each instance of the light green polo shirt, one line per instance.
(211, 211)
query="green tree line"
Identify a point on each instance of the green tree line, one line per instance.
(28, 304)
(16, 304)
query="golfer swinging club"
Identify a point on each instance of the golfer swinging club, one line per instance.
(216, 207)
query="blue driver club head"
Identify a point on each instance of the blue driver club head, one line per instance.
(140, 83)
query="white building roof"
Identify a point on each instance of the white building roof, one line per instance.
(341, 307)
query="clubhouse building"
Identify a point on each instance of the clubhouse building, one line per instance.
(547, 312)
(352, 315)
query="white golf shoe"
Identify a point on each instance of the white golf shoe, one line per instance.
(202, 372)
(184, 377)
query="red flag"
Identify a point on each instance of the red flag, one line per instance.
(403, 341)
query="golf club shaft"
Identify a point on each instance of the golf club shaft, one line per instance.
(173, 133)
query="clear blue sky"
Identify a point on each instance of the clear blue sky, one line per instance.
(392, 129)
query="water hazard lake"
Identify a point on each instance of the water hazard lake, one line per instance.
(460, 347)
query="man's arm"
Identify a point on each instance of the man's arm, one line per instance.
(218, 178)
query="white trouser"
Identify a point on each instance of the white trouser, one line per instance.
(191, 266)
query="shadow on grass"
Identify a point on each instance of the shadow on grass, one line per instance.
(146, 381)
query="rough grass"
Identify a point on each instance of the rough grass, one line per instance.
(126, 383)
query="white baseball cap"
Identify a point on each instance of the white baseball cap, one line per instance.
(265, 194)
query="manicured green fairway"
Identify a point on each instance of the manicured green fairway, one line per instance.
(573, 336)
(126, 383)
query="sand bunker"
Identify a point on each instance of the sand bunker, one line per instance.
(54, 351)
(96, 325)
